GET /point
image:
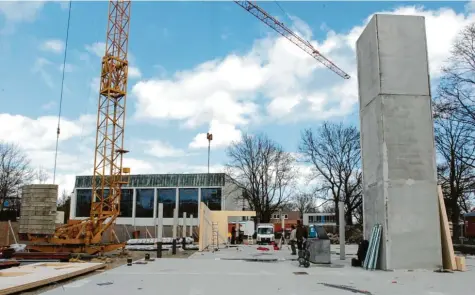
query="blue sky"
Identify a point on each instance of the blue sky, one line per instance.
(195, 67)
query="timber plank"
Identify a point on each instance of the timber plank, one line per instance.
(448, 255)
(22, 278)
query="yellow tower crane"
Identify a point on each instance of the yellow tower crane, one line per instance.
(109, 175)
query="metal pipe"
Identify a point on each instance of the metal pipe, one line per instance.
(341, 209)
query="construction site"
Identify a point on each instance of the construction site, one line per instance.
(178, 239)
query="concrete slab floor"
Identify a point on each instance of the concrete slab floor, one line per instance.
(208, 274)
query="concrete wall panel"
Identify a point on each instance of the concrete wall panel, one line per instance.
(410, 146)
(368, 70)
(398, 155)
(413, 225)
(403, 54)
(372, 140)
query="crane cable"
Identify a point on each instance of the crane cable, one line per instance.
(62, 90)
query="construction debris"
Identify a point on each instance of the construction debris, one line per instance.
(6, 263)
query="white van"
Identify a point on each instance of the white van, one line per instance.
(265, 233)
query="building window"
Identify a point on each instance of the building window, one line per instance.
(277, 216)
(126, 202)
(144, 203)
(212, 198)
(83, 202)
(167, 196)
(188, 202)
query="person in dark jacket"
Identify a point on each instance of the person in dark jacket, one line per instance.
(301, 235)
(233, 235)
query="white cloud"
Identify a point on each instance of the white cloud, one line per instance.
(161, 149)
(274, 80)
(18, 11)
(40, 68)
(223, 135)
(278, 76)
(141, 166)
(97, 48)
(134, 73)
(442, 27)
(49, 105)
(68, 68)
(54, 45)
(64, 4)
(37, 138)
(40, 133)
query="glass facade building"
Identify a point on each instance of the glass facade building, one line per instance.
(140, 198)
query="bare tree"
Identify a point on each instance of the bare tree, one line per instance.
(15, 172)
(263, 171)
(455, 172)
(42, 175)
(456, 96)
(327, 208)
(334, 152)
(455, 126)
(304, 203)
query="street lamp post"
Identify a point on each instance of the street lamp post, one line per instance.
(209, 136)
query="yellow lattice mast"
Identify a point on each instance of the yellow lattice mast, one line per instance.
(108, 174)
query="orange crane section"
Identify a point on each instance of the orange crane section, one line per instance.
(108, 175)
(291, 36)
(86, 236)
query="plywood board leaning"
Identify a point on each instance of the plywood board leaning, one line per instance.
(448, 255)
(22, 278)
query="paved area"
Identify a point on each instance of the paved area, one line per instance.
(213, 274)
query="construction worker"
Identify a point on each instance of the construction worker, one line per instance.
(293, 239)
(301, 234)
(233, 235)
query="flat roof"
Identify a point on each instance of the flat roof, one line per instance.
(164, 180)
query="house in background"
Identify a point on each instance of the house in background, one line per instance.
(290, 218)
(319, 219)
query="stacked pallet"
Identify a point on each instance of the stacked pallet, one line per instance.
(151, 244)
(38, 209)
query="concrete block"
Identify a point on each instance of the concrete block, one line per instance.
(397, 140)
(38, 209)
(392, 51)
(319, 250)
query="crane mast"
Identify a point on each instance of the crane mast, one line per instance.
(109, 175)
(291, 36)
(108, 172)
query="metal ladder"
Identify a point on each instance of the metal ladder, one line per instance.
(215, 236)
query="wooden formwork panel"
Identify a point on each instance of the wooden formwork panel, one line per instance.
(19, 279)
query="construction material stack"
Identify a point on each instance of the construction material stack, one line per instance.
(38, 209)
